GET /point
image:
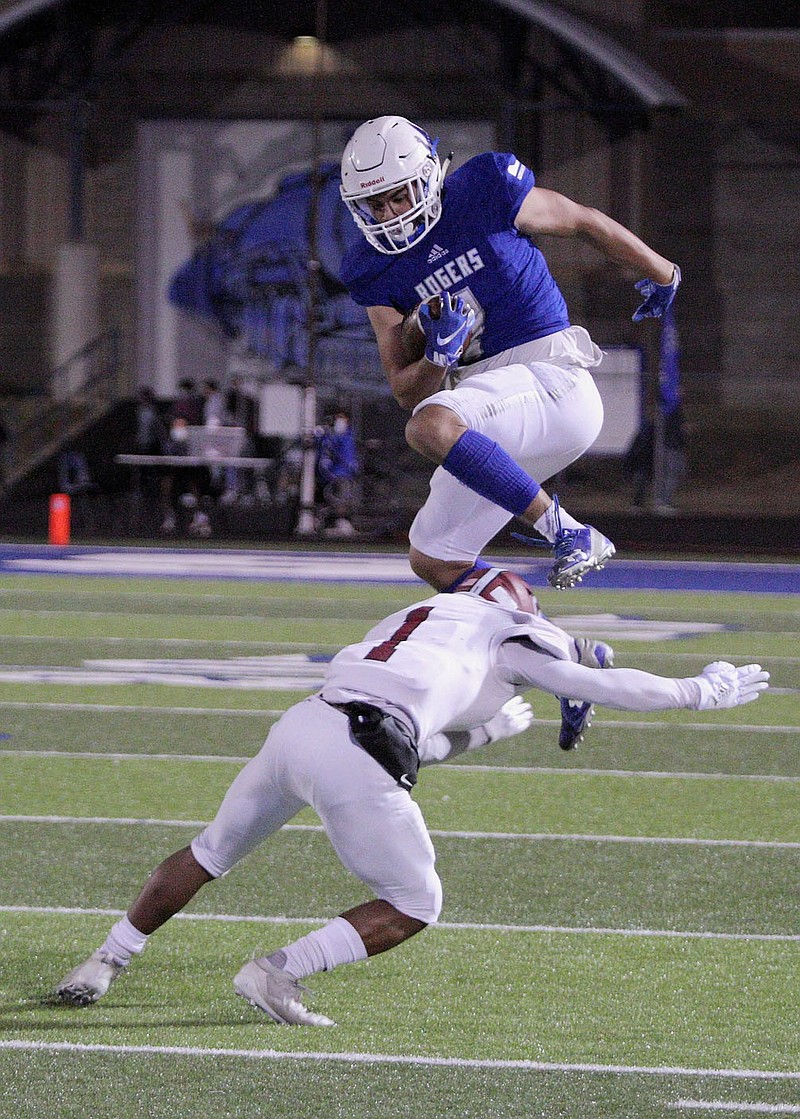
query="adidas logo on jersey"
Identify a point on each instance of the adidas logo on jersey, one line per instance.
(436, 253)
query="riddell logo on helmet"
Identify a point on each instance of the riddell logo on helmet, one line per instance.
(371, 182)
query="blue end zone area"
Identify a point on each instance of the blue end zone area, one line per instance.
(378, 567)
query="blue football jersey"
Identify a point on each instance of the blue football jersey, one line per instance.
(474, 251)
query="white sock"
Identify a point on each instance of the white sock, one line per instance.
(321, 950)
(547, 525)
(124, 941)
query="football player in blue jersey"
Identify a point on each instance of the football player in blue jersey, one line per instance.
(475, 338)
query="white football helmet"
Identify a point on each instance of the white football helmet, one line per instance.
(392, 152)
(495, 584)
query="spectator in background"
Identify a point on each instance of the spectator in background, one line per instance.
(215, 413)
(73, 474)
(241, 407)
(190, 482)
(188, 404)
(244, 410)
(174, 444)
(337, 467)
(223, 479)
(290, 471)
(151, 431)
(151, 439)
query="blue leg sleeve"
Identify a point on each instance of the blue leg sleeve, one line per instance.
(482, 465)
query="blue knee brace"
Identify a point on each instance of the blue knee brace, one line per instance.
(482, 465)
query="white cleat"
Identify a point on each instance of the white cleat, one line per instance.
(90, 980)
(276, 993)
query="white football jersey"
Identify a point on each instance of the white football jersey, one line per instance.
(437, 661)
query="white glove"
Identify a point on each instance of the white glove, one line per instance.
(594, 653)
(514, 717)
(723, 685)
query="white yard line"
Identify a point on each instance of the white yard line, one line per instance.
(302, 645)
(468, 768)
(464, 926)
(398, 1059)
(657, 773)
(165, 709)
(182, 596)
(577, 837)
(747, 1108)
(530, 837)
(663, 652)
(144, 708)
(234, 619)
(129, 821)
(121, 757)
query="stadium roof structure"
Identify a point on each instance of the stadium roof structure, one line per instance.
(601, 50)
(52, 50)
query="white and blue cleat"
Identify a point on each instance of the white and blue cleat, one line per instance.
(577, 552)
(576, 714)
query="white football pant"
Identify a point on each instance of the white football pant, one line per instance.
(542, 407)
(375, 827)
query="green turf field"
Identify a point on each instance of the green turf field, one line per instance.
(621, 929)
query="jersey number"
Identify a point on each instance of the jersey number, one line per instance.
(473, 351)
(386, 648)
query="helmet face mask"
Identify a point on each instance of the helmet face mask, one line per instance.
(505, 588)
(386, 155)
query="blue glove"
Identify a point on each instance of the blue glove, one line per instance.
(657, 297)
(446, 335)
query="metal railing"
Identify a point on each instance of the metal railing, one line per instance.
(75, 394)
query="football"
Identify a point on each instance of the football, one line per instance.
(435, 306)
(412, 339)
(411, 335)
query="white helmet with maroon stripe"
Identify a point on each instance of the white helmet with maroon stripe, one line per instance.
(500, 586)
